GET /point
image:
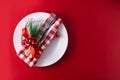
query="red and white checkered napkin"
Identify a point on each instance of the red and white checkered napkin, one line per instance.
(50, 36)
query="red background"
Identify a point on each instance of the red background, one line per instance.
(94, 40)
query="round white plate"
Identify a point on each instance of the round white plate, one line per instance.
(54, 51)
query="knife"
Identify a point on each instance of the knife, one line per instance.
(45, 35)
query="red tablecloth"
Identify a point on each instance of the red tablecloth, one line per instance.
(94, 40)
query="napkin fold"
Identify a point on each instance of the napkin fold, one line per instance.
(24, 53)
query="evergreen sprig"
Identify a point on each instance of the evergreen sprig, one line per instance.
(34, 30)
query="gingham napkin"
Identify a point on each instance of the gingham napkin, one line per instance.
(51, 35)
(48, 22)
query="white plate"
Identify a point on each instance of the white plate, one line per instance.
(54, 51)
